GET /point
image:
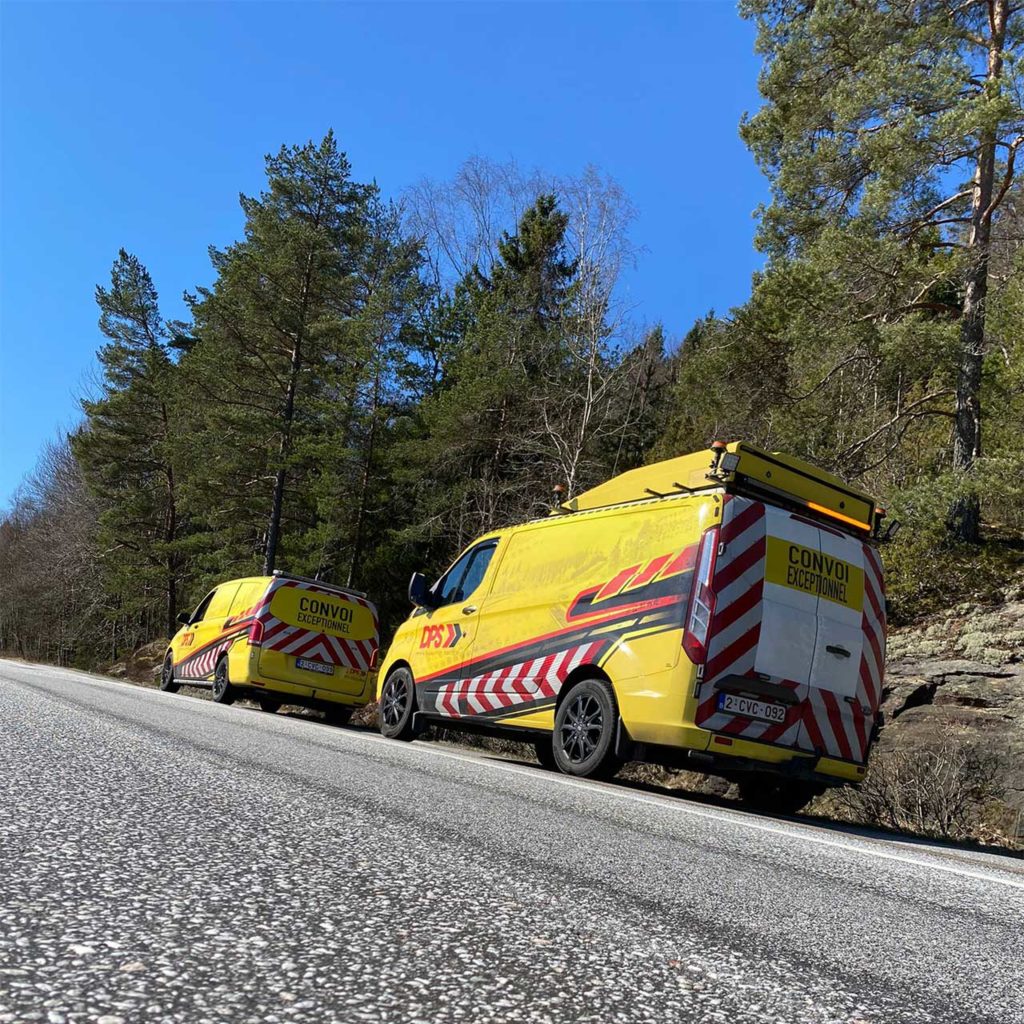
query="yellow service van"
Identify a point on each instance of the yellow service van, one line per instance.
(722, 611)
(280, 639)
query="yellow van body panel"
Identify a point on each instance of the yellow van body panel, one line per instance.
(319, 643)
(610, 582)
(602, 586)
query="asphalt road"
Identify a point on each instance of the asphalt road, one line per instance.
(163, 858)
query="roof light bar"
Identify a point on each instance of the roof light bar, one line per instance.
(839, 515)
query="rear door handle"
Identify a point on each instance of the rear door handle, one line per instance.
(469, 609)
(839, 652)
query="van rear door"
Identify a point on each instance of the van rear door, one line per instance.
(316, 636)
(796, 645)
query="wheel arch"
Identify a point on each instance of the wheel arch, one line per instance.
(578, 675)
(386, 670)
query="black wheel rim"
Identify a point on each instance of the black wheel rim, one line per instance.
(394, 700)
(220, 680)
(168, 670)
(580, 731)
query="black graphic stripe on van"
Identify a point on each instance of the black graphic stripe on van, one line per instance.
(199, 652)
(541, 647)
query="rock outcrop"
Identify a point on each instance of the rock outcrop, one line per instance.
(962, 673)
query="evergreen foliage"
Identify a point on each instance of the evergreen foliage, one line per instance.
(367, 386)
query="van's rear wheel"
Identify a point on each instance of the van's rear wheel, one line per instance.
(776, 795)
(397, 704)
(269, 704)
(223, 691)
(585, 726)
(167, 683)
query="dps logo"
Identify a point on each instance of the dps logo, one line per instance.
(440, 636)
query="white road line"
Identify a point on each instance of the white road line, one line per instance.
(801, 832)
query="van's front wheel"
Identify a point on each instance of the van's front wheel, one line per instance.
(397, 704)
(223, 691)
(585, 726)
(167, 683)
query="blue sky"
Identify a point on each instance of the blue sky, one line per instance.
(138, 124)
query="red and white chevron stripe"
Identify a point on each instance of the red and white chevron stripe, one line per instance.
(307, 643)
(201, 665)
(527, 681)
(736, 624)
(819, 719)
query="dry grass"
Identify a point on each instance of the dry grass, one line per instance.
(947, 791)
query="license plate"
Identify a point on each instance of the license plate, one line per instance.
(314, 666)
(736, 705)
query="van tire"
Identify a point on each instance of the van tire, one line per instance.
(776, 795)
(223, 692)
(167, 683)
(269, 704)
(397, 705)
(586, 722)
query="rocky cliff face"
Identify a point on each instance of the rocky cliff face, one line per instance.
(962, 674)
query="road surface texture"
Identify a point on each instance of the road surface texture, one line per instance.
(163, 858)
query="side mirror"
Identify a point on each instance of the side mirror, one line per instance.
(184, 618)
(890, 531)
(419, 592)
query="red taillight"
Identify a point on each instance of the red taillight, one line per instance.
(255, 634)
(373, 659)
(701, 606)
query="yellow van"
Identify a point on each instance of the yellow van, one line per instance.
(722, 611)
(279, 639)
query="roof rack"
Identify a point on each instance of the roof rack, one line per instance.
(320, 583)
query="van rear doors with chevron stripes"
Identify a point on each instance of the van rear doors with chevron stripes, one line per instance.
(314, 635)
(797, 638)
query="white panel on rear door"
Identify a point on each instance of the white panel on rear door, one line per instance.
(789, 621)
(840, 576)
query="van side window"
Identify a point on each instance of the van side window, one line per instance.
(476, 570)
(465, 575)
(200, 612)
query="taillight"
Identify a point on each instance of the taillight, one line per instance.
(255, 634)
(701, 605)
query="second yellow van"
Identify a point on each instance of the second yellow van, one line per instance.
(279, 639)
(722, 611)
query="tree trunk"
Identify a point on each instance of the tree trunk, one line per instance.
(288, 416)
(170, 535)
(964, 518)
(364, 490)
(274, 532)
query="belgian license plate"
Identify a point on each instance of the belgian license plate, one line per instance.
(736, 705)
(314, 666)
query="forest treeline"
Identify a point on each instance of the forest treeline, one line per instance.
(370, 381)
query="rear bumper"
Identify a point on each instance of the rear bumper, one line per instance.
(727, 756)
(299, 693)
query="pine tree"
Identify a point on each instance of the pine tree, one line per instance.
(901, 122)
(298, 350)
(126, 446)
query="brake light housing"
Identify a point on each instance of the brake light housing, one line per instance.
(255, 638)
(701, 606)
